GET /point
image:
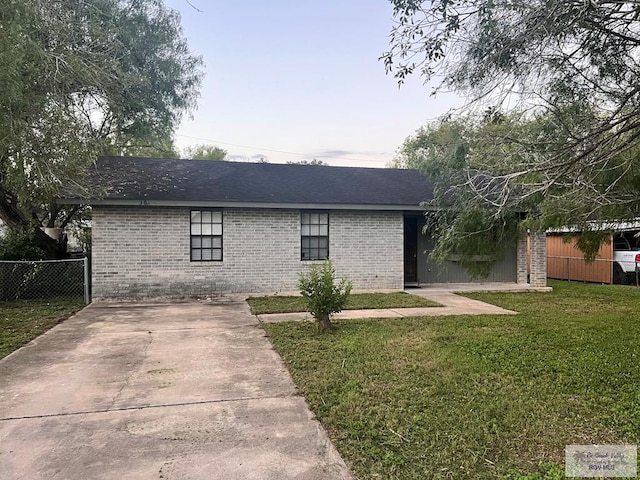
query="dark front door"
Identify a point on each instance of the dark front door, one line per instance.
(410, 249)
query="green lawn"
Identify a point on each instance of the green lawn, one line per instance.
(357, 301)
(23, 320)
(475, 397)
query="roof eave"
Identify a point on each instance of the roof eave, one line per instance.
(236, 204)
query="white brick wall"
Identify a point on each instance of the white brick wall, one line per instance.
(367, 247)
(522, 258)
(144, 252)
(538, 247)
(532, 259)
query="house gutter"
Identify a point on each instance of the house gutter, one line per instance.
(235, 204)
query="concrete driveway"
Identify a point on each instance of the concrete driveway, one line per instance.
(180, 391)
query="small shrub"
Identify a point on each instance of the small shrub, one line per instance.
(15, 245)
(322, 295)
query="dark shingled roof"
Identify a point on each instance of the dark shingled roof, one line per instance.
(168, 180)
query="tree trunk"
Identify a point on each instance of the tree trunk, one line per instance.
(53, 249)
(10, 213)
(325, 323)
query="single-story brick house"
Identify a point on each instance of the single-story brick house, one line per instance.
(197, 227)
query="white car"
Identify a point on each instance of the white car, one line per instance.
(625, 256)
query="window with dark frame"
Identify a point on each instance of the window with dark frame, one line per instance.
(206, 235)
(314, 233)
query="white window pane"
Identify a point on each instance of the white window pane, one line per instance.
(196, 229)
(324, 230)
(206, 255)
(216, 217)
(304, 230)
(196, 242)
(315, 230)
(196, 217)
(324, 218)
(315, 218)
(206, 242)
(206, 217)
(216, 229)
(216, 242)
(216, 255)
(206, 229)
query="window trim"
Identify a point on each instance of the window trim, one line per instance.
(192, 236)
(327, 236)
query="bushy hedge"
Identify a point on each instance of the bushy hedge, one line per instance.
(19, 246)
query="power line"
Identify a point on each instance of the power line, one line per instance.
(307, 155)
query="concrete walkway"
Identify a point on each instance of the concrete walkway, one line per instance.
(180, 391)
(452, 304)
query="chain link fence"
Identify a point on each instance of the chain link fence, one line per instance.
(23, 280)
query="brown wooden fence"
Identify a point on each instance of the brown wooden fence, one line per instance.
(566, 262)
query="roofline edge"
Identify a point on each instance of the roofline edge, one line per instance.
(260, 205)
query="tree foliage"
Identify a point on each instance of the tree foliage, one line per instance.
(206, 152)
(462, 217)
(556, 83)
(314, 161)
(16, 245)
(159, 148)
(79, 78)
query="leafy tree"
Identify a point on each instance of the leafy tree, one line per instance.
(79, 79)
(161, 148)
(15, 245)
(442, 141)
(323, 296)
(206, 152)
(315, 161)
(451, 153)
(567, 73)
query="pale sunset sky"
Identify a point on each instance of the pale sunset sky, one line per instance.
(297, 80)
